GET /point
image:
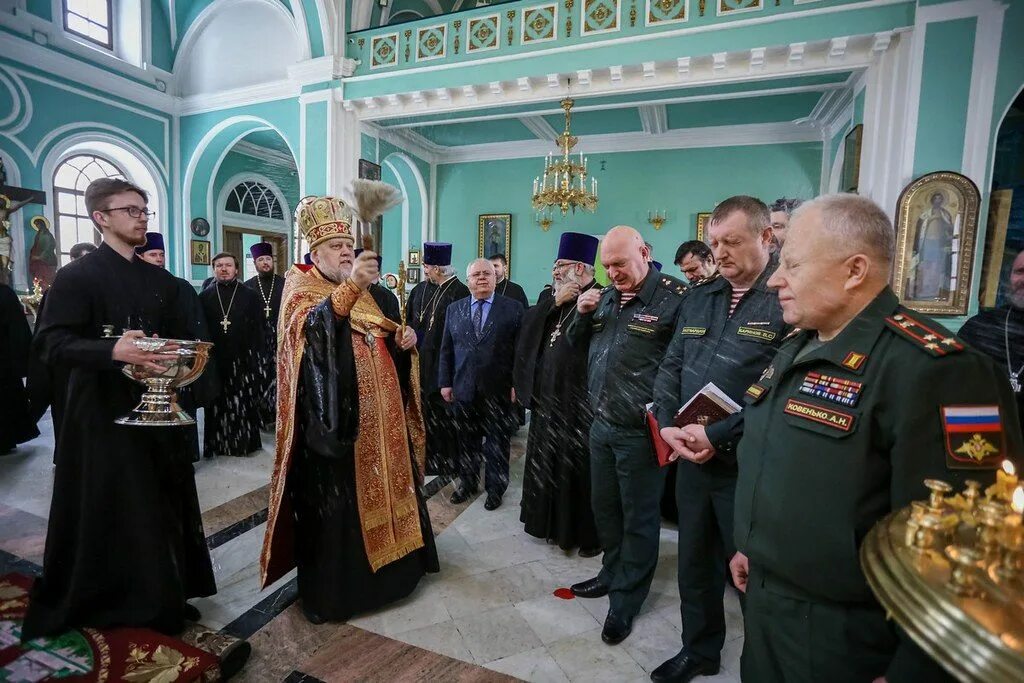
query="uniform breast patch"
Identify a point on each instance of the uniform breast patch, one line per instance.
(640, 329)
(836, 389)
(757, 333)
(831, 418)
(694, 331)
(974, 436)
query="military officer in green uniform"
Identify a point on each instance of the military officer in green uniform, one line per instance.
(856, 410)
(729, 330)
(629, 325)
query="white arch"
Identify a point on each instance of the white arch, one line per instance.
(135, 163)
(183, 55)
(421, 187)
(284, 225)
(405, 11)
(197, 154)
(22, 103)
(17, 227)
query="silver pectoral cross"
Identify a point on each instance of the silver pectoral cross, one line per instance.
(266, 311)
(225, 323)
(556, 334)
(1015, 382)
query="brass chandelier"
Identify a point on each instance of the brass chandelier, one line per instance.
(564, 183)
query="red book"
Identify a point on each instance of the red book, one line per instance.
(661, 449)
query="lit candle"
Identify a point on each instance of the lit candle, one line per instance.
(1017, 502)
(535, 186)
(1006, 481)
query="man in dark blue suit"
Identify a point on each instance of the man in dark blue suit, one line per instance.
(475, 376)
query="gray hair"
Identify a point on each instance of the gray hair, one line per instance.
(476, 261)
(857, 222)
(444, 271)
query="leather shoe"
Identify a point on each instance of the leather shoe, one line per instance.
(461, 496)
(591, 588)
(492, 503)
(589, 552)
(616, 629)
(682, 668)
(313, 617)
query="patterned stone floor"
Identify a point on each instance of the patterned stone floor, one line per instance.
(489, 615)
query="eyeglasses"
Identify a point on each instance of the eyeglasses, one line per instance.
(133, 211)
(560, 265)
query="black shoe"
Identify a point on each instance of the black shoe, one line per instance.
(313, 617)
(492, 503)
(191, 613)
(682, 668)
(461, 496)
(589, 552)
(591, 588)
(616, 629)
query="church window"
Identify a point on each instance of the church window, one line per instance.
(255, 199)
(70, 179)
(91, 20)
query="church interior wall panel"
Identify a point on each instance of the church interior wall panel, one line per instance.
(162, 52)
(945, 90)
(41, 8)
(685, 182)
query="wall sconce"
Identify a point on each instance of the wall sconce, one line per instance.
(657, 219)
(544, 221)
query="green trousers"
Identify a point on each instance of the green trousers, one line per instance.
(626, 487)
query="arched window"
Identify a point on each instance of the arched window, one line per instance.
(254, 199)
(70, 179)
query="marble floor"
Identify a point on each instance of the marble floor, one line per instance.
(489, 615)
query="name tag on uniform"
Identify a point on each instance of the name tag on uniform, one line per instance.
(694, 331)
(836, 389)
(645, 318)
(641, 329)
(757, 333)
(831, 418)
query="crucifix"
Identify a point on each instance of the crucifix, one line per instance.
(266, 312)
(225, 323)
(11, 200)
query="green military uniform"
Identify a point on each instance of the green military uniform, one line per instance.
(836, 436)
(626, 346)
(731, 350)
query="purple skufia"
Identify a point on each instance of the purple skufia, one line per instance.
(576, 246)
(154, 240)
(437, 254)
(261, 249)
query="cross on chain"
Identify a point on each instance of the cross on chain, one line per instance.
(266, 311)
(225, 323)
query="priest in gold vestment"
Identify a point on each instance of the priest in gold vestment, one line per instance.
(345, 500)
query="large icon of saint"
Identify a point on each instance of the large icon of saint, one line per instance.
(931, 272)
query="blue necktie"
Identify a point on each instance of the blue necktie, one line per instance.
(478, 318)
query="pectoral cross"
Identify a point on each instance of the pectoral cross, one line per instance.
(266, 311)
(556, 334)
(225, 323)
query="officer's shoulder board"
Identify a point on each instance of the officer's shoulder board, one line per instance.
(673, 285)
(705, 280)
(924, 334)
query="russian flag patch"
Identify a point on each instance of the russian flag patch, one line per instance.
(974, 436)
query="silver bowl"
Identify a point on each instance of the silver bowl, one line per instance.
(159, 405)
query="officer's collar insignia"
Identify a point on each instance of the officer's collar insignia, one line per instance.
(935, 342)
(820, 414)
(645, 317)
(768, 373)
(974, 436)
(836, 389)
(754, 392)
(705, 281)
(854, 360)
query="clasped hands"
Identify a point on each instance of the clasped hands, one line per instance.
(689, 442)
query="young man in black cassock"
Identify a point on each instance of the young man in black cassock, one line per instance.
(269, 286)
(551, 379)
(428, 308)
(17, 425)
(201, 392)
(235, 317)
(125, 545)
(505, 286)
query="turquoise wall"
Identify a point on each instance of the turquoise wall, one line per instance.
(160, 39)
(945, 89)
(683, 182)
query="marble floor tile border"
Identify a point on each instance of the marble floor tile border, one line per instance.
(263, 612)
(235, 530)
(238, 509)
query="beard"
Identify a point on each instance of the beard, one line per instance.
(336, 274)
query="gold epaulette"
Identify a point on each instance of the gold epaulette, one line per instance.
(673, 285)
(937, 343)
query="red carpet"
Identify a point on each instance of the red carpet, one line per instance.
(122, 654)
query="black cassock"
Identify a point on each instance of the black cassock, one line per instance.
(125, 543)
(232, 424)
(428, 308)
(335, 579)
(513, 291)
(269, 287)
(16, 423)
(989, 331)
(551, 379)
(202, 392)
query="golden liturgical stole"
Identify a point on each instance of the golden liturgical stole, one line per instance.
(385, 480)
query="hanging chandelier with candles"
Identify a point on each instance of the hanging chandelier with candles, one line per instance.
(564, 183)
